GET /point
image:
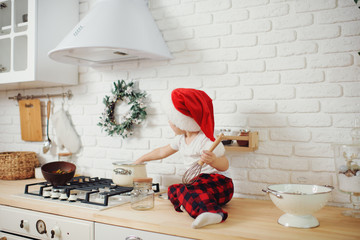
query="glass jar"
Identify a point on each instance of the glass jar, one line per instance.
(243, 143)
(347, 163)
(142, 196)
(226, 132)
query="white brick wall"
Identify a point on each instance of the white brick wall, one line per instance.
(288, 69)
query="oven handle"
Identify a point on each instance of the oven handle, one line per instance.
(132, 237)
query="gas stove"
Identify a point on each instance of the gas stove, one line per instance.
(82, 191)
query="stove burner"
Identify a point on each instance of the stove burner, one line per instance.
(97, 190)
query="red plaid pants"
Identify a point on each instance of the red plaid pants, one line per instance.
(207, 194)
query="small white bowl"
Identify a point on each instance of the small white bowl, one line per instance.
(299, 202)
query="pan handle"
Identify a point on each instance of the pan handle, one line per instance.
(273, 193)
(157, 187)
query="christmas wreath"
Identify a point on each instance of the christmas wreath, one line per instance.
(123, 92)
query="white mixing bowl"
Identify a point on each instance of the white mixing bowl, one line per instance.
(299, 202)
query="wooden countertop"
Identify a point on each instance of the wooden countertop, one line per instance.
(248, 219)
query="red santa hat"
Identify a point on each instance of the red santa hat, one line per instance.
(190, 110)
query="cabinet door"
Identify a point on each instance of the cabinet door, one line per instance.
(110, 232)
(29, 29)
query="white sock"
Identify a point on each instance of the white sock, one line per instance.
(182, 208)
(205, 219)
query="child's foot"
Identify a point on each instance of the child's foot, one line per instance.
(205, 219)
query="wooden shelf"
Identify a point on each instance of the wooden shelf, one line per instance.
(252, 142)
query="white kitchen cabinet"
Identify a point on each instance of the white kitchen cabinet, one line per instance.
(17, 223)
(28, 30)
(109, 232)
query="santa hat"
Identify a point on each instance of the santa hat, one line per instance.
(190, 110)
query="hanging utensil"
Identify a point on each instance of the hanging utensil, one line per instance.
(192, 174)
(30, 120)
(47, 143)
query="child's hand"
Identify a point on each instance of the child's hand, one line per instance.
(138, 161)
(208, 157)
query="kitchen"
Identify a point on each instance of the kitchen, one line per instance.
(288, 70)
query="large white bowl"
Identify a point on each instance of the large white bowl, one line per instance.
(299, 202)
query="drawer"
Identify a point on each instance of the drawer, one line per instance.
(110, 232)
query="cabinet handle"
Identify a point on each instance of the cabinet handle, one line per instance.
(133, 238)
(55, 232)
(24, 224)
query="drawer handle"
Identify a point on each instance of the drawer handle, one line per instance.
(133, 238)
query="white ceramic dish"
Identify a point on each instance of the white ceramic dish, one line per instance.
(299, 202)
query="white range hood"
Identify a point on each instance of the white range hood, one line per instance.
(113, 31)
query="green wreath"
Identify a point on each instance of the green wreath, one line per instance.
(136, 114)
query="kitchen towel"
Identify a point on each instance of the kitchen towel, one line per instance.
(65, 132)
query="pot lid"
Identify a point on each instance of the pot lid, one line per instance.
(127, 163)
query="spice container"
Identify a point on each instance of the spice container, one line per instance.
(226, 132)
(142, 196)
(243, 143)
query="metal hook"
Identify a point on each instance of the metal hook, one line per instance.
(16, 101)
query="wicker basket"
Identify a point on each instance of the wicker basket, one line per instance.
(18, 165)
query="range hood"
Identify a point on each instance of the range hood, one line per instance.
(113, 31)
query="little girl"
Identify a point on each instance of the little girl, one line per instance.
(191, 117)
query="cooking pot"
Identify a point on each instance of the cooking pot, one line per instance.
(125, 172)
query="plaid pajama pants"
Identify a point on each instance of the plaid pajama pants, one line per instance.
(207, 194)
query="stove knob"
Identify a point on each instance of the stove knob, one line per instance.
(55, 232)
(24, 224)
(41, 226)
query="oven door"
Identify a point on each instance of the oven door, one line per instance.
(28, 224)
(7, 236)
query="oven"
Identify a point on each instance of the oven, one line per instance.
(16, 224)
(86, 192)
